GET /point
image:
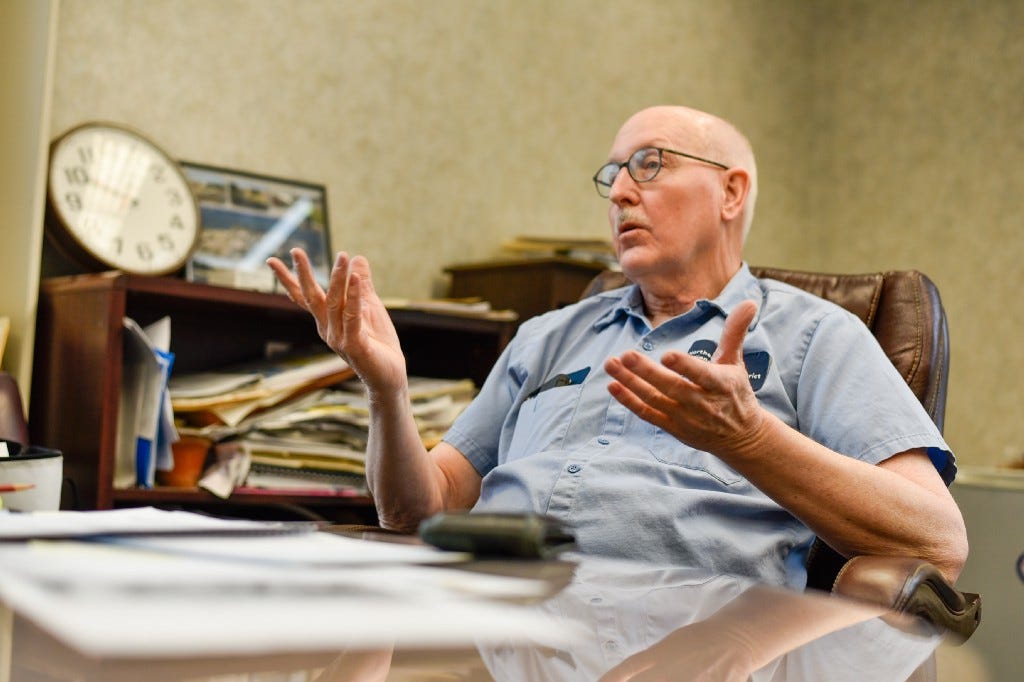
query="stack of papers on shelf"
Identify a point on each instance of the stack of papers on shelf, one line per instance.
(316, 444)
(229, 396)
(259, 462)
(461, 307)
(585, 249)
(343, 414)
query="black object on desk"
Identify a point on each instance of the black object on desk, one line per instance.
(528, 536)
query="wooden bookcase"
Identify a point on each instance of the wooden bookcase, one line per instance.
(78, 364)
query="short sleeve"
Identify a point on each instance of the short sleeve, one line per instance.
(476, 433)
(852, 399)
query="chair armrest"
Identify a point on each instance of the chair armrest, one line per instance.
(912, 587)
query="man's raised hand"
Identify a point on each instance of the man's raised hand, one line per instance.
(350, 317)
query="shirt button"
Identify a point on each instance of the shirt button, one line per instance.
(603, 441)
(648, 345)
(573, 468)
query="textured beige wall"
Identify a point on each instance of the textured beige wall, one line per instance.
(886, 132)
(920, 127)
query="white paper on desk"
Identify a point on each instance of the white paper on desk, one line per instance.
(108, 601)
(306, 549)
(72, 565)
(72, 524)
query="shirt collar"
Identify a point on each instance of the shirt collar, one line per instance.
(743, 286)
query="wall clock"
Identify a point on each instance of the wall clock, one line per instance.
(116, 200)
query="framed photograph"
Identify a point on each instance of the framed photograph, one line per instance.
(246, 218)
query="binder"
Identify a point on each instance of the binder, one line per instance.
(146, 368)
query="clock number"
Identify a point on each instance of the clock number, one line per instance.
(85, 155)
(144, 251)
(118, 245)
(174, 197)
(176, 222)
(158, 173)
(73, 201)
(164, 240)
(77, 175)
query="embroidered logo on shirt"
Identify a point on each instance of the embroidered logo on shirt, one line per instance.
(703, 348)
(757, 362)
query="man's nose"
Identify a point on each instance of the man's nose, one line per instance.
(624, 188)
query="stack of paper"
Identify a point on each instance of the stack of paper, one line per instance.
(599, 250)
(230, 395)
(316, 443)
(344, 413)
(460, 307)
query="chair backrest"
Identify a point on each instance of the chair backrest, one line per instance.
(902, 309)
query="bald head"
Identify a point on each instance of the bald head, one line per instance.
(709, 136)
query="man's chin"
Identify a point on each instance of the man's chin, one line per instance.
(633, 263)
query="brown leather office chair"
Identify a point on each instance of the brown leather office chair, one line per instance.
(904, 312)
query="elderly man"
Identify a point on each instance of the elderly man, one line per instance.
(699, 416)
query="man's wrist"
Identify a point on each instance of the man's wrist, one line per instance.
(754, 441)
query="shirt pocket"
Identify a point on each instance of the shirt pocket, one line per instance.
(544, 420)
(668, 449)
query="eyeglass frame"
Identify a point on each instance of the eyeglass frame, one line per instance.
(661, 162)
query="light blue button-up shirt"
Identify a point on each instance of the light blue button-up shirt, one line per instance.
(547, 437)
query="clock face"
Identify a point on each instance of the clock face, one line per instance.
(120, 202)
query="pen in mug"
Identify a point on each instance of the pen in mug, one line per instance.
(15, 487)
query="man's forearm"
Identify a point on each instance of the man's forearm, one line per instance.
(855, 507)
(402, 477)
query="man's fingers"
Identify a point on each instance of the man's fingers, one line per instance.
(311, 290)
(353, 313)
(287, 280)
(730, 348)
(634, 404)
(664, 377)
(337, 289)
(646, 384)
(361, 267)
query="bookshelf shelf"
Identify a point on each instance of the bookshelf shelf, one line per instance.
(78, 365)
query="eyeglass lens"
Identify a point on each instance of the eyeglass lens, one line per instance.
(642, 166)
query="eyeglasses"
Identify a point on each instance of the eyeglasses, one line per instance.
(643, 166)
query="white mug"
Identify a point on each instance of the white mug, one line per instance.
(40, 467)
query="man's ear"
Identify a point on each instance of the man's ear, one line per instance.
(735, 186)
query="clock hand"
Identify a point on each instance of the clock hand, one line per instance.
(109, 189)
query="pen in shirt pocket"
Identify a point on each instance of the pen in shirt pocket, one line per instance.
(570, 379)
